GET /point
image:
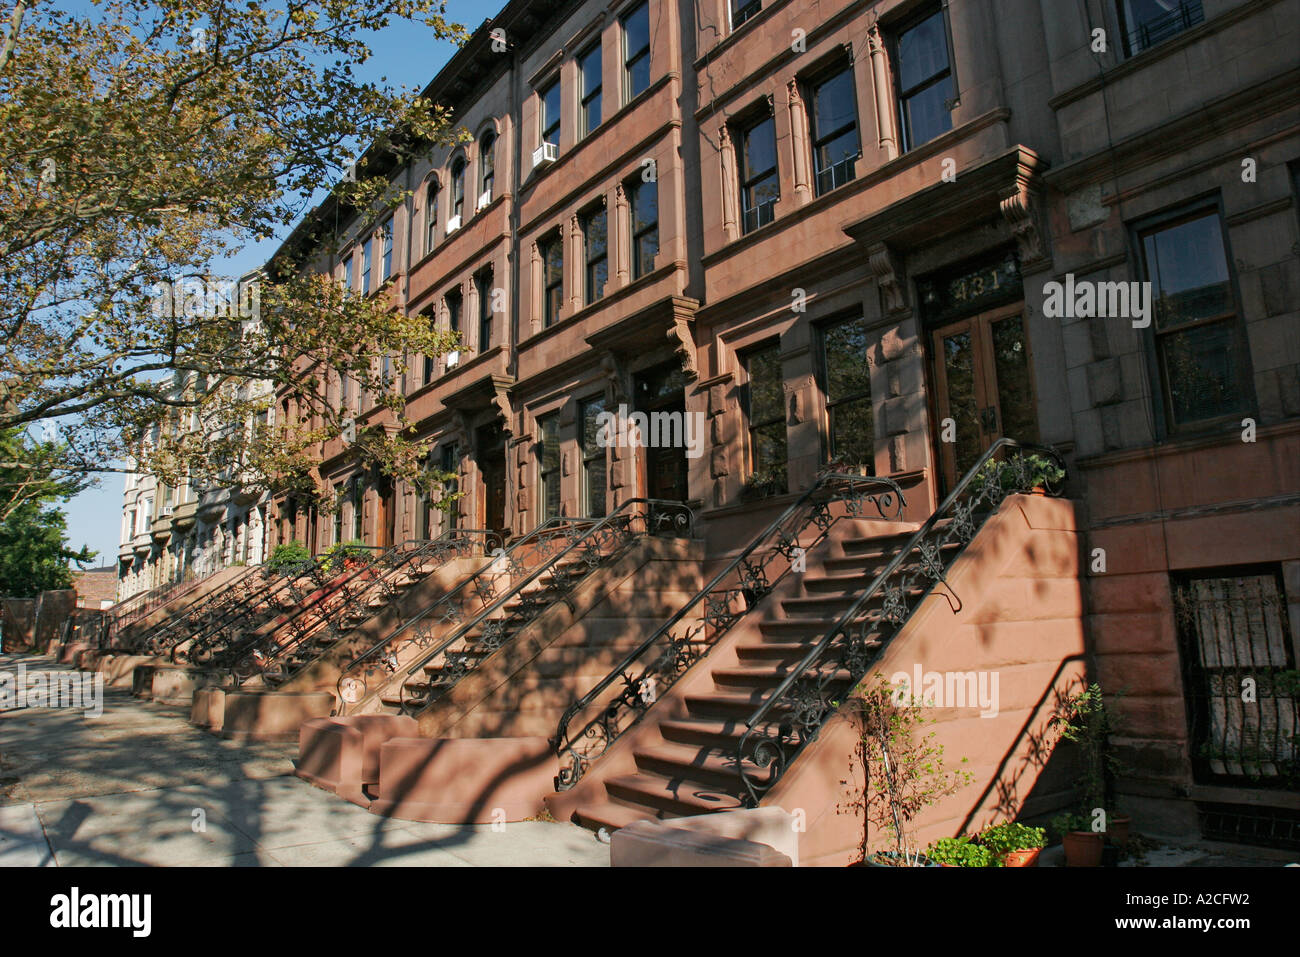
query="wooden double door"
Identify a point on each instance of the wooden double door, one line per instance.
(983, 382)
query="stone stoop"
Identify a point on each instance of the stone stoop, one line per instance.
(1017, 612)
(483, 750)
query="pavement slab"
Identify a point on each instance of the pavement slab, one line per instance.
(139, 786)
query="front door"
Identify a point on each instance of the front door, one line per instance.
(661, 395)
(983, 384)
(386, 526)
(490, 456)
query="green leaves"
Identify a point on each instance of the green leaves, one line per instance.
(131, 156)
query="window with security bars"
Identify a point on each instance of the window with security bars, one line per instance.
(1200, 348)
(548, 460)
(593, 459)
(1240, 680)
(846, 384)
(1146, 23)
(765, 412)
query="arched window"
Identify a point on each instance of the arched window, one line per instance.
(458, 188)
(487, 166)
(430, 215)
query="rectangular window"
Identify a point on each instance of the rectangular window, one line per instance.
(636, 52)
(552, 253)
(923, 73)
(742, 10)
(386, 260)
(846, 383)
(593, 459)
(548, 461)
(450, 463)
(338, 514)
(454, 302)
(429, 365)
(431, 217)
(759, 187)
(487, 164)
(643, 206)
(358, 509)
(366, 250)
(595, 239)
(1233, 632)
(834, 123)
(1200, 352)
(549, 117)
(483, 287)
(589, 67)
(354, 271)
(458, 189)
(765, 413)
(1146, 23)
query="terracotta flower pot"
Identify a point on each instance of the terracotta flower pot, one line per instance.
(1028, 857)
(1082, 849)
(1117, 829)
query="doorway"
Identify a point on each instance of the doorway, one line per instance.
(490, 457)
(661, 394)
(386, 526)
(981, 370)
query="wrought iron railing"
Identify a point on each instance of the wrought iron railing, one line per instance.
(588, 548)
(126, 613)
(162, 637)
(731, 594)
(258, 603)
(305, 584)
(370, 672)
(790, 718)
(1156, 30)
(375, 582)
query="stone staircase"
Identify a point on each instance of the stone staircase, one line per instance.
(688, 766)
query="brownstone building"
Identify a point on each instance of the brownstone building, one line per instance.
(856, 233)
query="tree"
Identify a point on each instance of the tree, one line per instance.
(34, 552)
(141, 142)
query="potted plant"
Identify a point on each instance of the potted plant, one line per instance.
(1089, 722)
(1041, 473)
(959, 852)
(1013, 845)
(764, 482)
(903, 770)
(1083, 846)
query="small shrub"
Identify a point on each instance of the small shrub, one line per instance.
(1009, 836)
(287, 555)
(959, 852)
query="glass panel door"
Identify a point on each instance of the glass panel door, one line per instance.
(983, 383)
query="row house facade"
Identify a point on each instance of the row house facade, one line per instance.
(170, 533)
(840, 235)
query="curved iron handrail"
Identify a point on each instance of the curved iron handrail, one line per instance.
(162, 638)
(252, 611)
(310, 584)
(719, 615)
(380, 650)
(590, 542)
(807, 689)
(388, 565)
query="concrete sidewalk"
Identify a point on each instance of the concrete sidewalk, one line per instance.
(140, 786)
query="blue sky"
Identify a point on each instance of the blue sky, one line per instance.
(404, 54)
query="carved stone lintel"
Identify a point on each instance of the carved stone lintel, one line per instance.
(1019, 207)
(888, 275)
